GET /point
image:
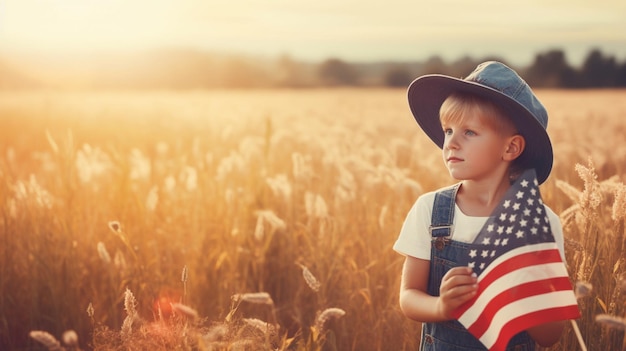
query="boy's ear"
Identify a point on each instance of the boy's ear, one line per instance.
(514, 148)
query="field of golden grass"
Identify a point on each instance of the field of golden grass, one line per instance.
(259, 220)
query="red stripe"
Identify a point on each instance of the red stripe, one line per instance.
(507, 266)
(520, 261)
(513, 294)
(529, 320)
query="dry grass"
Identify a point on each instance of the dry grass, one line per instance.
(280, 208)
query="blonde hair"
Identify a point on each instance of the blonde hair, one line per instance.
(458, 106)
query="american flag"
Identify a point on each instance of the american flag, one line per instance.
(522, 279)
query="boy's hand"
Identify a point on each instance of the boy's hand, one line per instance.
(458, 286)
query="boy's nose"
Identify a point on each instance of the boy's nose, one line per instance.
(450, 142)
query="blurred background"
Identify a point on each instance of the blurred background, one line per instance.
(199, 44)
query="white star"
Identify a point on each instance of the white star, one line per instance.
(490, 228)
(485, 253)
(505, 241)
(536, 220)
(524, 183)
(545, 229)
(496, 242)
(533, 231)
(539, 210)
(509, 230)
(530, 202)
(523, 222)
(533, 191)
(526, 212)
(519, 234)
(519, 195)
(502, 216)
(493, 253)
(512, 218)
(486, 241)
(482, 266)
(471, 264)
(507, 203)
(472, 253)
(500, 229)
(516, 206)
(535, 182)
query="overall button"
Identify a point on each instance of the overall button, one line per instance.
(440, 243)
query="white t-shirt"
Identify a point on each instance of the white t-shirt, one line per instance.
(415, 239)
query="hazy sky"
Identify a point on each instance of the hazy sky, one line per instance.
(317, 29)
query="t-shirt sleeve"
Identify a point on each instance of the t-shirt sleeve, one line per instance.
(414, 238)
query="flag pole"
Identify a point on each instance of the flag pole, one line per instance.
(578, 335)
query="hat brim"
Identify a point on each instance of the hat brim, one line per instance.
(426, 94)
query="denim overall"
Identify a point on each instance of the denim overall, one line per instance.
(446, 254)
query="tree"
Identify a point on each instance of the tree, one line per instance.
(599, 71)
(397, 76)
(620, 78)
(551, 70)
(434, 64)
(337, 72)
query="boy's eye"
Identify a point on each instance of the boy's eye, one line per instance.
(449, 131)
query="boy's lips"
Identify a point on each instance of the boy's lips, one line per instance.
(454, 159)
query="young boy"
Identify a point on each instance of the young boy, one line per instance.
(490, 127)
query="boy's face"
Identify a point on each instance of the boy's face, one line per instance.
(474, 146)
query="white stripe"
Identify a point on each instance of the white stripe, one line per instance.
(509, 280)
(518, 251)
(525, 306)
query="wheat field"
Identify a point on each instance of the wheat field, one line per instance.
(260, 220)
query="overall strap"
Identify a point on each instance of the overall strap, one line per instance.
(443, 212)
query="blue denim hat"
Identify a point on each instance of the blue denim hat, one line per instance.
(504, 87)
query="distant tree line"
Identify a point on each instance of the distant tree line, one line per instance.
(548, 70)
(597, 71)
(188, 69)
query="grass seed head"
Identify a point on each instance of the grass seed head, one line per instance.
(217, 332)
(621, 283)
(131, 314)
(264, 327)
(152, 200)
(127, 328)
(70, 338)
(326, 315)
(591, 196)
(259, 230)
(281, 187)
(103, 253)
(611, 321)
(120, 261)
(619, 204)
(583, 289)
(185, 274)
(184, 310)
(262, 298)
(90, 310)
(115, 227)
(130, 303)
(45, 338)
(310, 279)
